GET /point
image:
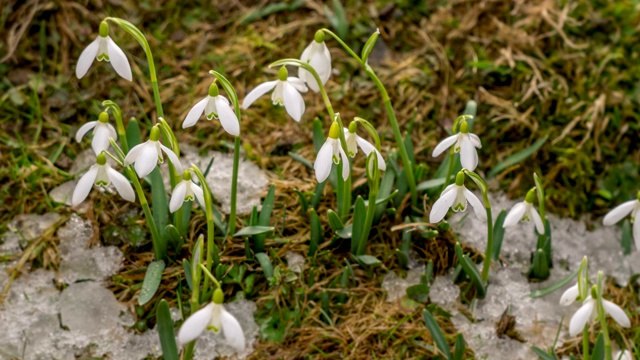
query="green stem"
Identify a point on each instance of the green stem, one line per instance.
(234, 185)
(120, 129)
(212, 254)
(585, 343)
(371, 211)
(602, 319)
(155, 235)
(452, 154)
(487, 255)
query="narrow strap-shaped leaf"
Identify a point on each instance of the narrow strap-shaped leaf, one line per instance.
(555, 286)
(301, 159)
(265, 263)
(265, 217)
(159, 205)
(471, 270)
(334, 220)
(186, 266)
(540, 269)
(133, 133)
(359, 217)
(165, 332)
(542, 354)
(253, 230)
(599, 349)
(517, 157)
(436, 333)
(368, 46)
(151, 281)
(498, 234)
(318, 134)
(460, 348)
(316, 233)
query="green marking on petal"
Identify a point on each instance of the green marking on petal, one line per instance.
(212, 328)
(101, 183)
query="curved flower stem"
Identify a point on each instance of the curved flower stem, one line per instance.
(117, 114)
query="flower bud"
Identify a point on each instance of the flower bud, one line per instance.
(103, 117)
(104, 29)
(319, 36)
(531, 195)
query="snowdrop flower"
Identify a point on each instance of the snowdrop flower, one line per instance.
(213, 317)
(526, 212)
(589, 310)
(186, 190)
(318, 56)
(570, 295)
(623, 355)
(101, 174)
(463, 142)
(353, 141)
(619, 212)
(146, 155)
(331, 152)
(103, 48)
(214, 106)
(286, 91)
(456, 196)
(102, 132)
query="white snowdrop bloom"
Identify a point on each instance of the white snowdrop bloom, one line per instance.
(526, 212)
(455, 197)
(588, 311)
(101, 174)
(186, 190)
(145, 156)
(213, 317)
(570, 295)
(214, 106)
(103, 48)
(353, 141)
(318, 56)
(464, 143)
(286, 92)
(102, 132)
(623, 355)
(331, 153)
(632, 208)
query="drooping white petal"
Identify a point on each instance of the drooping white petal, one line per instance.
(293, 101)
(476, 204)
(581, 317)
(468, 154)
(570, 295)
(367, 148)
(232, 330)
(227, 117)
(616, 313)
(475, 140)
(199, 193)
(86, 58)
(118, 60)
(636, 233)
(84, 129)
(515, 214)
(133, 154)
(323, 162)
(260, 90)
(173, 158)
(195, 113)
(147, 159)
(442, 205)
(444, 145)
(101, 136)
(177, 196)
(210, 110)
(195, 325)
(623, 355)
(121, 184)
(537, 220)
(85, 184)
(618, 213)
(320, 61)
(299, 84)
(345, 164)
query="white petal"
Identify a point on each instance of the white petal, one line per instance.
(195, 113)
(100, 141)
(623, 355)
(199, 194)
(227, 117)
(444, 145)
(636, 233)
(367, 148)
(122, 184)
(616, 313)
(260, 90)
(515, 214)
(581, 317)
(323, 162)
(569, 296)
(85, 184)
(86, 58)
(468, 154)
(173, 158)
(475, 140)
(345, 164)
(232, 331)
(298, 84)
(441, 207)
(195, 325)
(476, 204)
(118, 60)
(133, 154)
(177, 196)
(293, 101)
(146, 160)
(85, 129)
(537, 220)
(618, 213)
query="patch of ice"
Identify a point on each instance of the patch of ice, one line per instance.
(295, 261)
(396, 287)
(62, 193)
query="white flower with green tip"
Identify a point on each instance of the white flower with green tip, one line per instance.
(354, 141)
(589, 310)
(146, 156)
(102, 132)
(570, 295)
(213, 317)
(103, 48)
(621, 211)
(455, 197)
(318, 56)
(331, 153)
(464, 143)
(214, 106)
(186, 190)
(101, 174)
(524, 211)
(286, 92)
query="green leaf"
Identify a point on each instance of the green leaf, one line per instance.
(338, 19)
(477, 180)
(165, 332)
(599, 349)
(386, 187)
(627, 237)
(436, 334)
(151, 281)
(186, 265)
(133, 133)
(174, 236)
(540, 269)
(368, 260)
(334, 220)
(160, 206)
(303, 199)
(272, 9)
(553, 287)
(498, 234)
(460, 347)
(317, 195)
(318, 134)
(542, 354)
(430, 184)
(254, 230)
(265, 263)
(418, 292)
(316, 233)
(517, 157)
(359, 217)
(265, 217)
(301, 159)
(383, 200)
(370, 129)
(471, 270)
(346, 232)
(369, 45)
